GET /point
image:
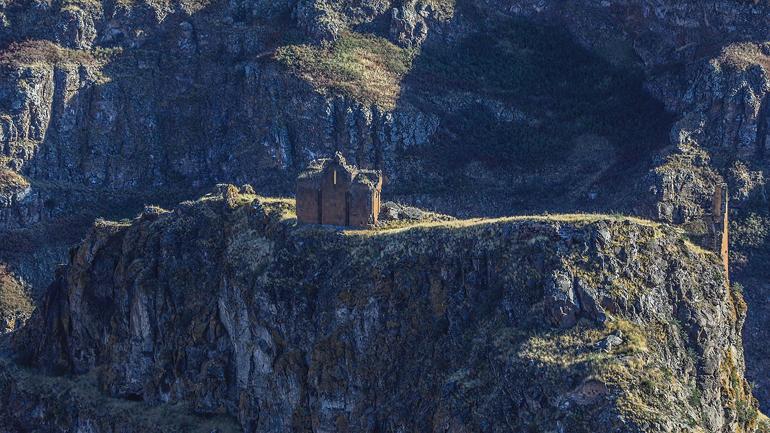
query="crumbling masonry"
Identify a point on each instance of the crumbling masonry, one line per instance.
(330, 191)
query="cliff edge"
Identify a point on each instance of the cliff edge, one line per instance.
(227, 306)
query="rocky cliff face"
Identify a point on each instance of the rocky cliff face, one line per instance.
(175, 99)
(478, 108)
(564, 323)
(105, 106)
(101, 96)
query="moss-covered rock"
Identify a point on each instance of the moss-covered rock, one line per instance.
(228, 305)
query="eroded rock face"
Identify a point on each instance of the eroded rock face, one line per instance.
(45, 403)
(74, 121)
(758, 355)
(725, 115)
(235, 309)
(727, 101)
(189, 102)
(408, 26)
(64, 125)
(683, 186)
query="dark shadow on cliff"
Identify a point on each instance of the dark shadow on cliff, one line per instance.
(533, 119)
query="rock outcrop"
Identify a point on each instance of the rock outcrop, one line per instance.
(724, 115)
(106, 106)
(87, 101)
(100, 101)
(573, 323)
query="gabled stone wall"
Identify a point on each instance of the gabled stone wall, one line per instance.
(335, 193)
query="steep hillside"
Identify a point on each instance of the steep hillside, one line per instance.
(471, 107)
(180, 96)
(575, 322)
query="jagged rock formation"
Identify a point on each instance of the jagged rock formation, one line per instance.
(106, 105)
(756, 331)
(86, 103)
(580, 323)
(724, 116)
(395, 213)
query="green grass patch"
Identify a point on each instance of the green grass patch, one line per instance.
(365, 67)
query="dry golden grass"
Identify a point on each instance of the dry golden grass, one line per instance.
(744, 55)
(563, 349)
(86, 5)
(365, 67)
(13, 298)
(578, 218)
(763, 423)
(444, 9)
(11, 180)
(477, 222)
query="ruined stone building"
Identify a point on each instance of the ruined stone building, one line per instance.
(329, 191)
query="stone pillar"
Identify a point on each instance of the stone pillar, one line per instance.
(721, 224)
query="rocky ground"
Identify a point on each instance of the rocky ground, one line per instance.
(471, 107)
(227, 306)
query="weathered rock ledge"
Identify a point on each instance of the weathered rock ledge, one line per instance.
(551, 323)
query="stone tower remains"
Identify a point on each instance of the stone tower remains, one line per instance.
(719, 225)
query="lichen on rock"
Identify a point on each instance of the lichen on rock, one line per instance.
(480, 324)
